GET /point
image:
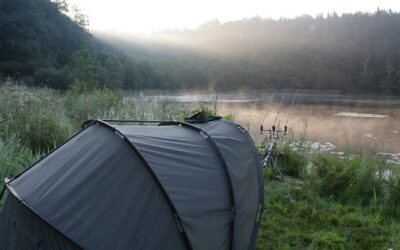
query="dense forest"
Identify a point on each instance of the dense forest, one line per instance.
(47, 43)
(351, 53)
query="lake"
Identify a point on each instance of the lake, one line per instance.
(331, 121)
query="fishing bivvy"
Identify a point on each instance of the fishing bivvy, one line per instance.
(179, 185)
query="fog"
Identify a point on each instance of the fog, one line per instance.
(155, 15)
(344, 67)
(362, 124)
(350, 53)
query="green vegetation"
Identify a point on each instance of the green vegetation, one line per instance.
(34, 121)
(331, 202)
(327, 201)
(37, 40)
(46, 43)
(296, 218)
(350, 53)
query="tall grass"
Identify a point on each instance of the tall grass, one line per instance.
(14, 156)
(43, 118)
(329, 201)
(34, 121)
(357, 179)
(295, 218)
(37, 116)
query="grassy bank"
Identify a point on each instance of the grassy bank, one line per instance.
(33, 121)
(326, 201)
(297, 219)
(331, 202)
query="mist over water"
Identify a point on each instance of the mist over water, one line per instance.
(334, 122)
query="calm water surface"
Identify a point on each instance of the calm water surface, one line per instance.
(332, 122)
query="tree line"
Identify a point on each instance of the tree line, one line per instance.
(350, 53)
(47, 43)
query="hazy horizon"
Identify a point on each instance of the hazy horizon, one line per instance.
(145, 17)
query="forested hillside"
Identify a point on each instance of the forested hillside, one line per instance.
(44, 43)
(37, 40)
(351, 53)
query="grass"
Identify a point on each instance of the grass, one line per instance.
(327, 201)
(34, 121)
(14, 156)
(297, 219)
(331, 202)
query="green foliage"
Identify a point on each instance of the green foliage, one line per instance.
(291, 163)
(79, 18)
(392, 195)
(43, 118)
(170, 110)
(14, 157)
(51, 77)
(204, 108)
(37, 39)
(295, 218)
(336, 202)
(327, 240)
(357, 179)
(352, 53)
(81, 104)
(328, 202)
(35, 121)
(84, 71)
(36, 116)
(361, 179)
(230, 117)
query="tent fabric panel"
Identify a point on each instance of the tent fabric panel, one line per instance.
(191, 172)
(246, 176)
(167, 132)
(100, 167)
(21, 229)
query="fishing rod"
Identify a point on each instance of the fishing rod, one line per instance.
(268, 157)
(291, 107)
(281, 145)
(290, 112)
(280, 106)
(274, 148)
(269, 103)
(273, 130)
(265, 116)
(285, 127)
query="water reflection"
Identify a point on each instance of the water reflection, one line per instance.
(334, 122)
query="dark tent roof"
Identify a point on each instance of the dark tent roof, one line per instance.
(176, 186)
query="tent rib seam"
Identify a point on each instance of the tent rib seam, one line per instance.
(15, 194)
(261, 201)
(24, 203)
(226, 171)
(156, 179)
(49, 153)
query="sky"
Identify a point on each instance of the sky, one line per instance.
(146, 16)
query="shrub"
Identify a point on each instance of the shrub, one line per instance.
(291, 163)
